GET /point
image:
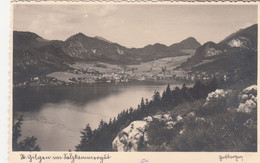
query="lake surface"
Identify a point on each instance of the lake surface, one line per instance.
(57, 115)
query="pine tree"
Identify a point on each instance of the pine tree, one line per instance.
(131, 110)
(142, 103)
(110, 121)
(102, 123)
(17, 132)
(167, 99)
(168, 91)
(86, 135)
(28, 144)
(156, 99)
(146, 101)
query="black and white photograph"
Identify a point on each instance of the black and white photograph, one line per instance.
(129, 77)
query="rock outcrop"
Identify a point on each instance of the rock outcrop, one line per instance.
(247, 100)
(134, 135)
(130, 137)
(217, 96)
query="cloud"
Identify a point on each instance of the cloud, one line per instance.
(100, 10)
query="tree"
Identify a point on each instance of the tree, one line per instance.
(86, 135)
(28, 144)
(146, 101)
(186, 93)
(142, 103)
(168, 90)
(101, 124)
(110, 121)
(156, 99)
(167, 99)
(197, 90)
(131, 110)
(17, 132)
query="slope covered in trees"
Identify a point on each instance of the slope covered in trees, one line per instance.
(101, 138)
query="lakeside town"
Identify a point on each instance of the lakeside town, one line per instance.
(121, 74)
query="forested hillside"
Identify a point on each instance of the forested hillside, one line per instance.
(205, 117)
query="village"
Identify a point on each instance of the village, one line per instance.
(86, 76)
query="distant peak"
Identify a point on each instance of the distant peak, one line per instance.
(102, 39)
(155, 45)
(188, 43)
(158, 44)
(78, 36)
(190, 39)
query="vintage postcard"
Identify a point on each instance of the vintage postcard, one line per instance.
(134, 82)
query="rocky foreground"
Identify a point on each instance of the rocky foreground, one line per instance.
(136, 134)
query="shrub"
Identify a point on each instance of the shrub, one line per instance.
(219, 101)
(222, 132)
(159, 136)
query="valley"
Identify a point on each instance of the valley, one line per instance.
(84, 60)
(82, 73)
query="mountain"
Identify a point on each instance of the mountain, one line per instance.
(86, 48)
(81, 47)
(189, 43)
(157, 51)
(236, 54)
(34, 56)
(97, 48)
(151, 52)
(103, 39)
(244, 38)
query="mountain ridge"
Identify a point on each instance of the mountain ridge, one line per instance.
(81, 46)
(36, 56)
(236, 55)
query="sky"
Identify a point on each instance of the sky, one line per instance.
(134, 25)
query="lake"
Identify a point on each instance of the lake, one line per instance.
(56, 115)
